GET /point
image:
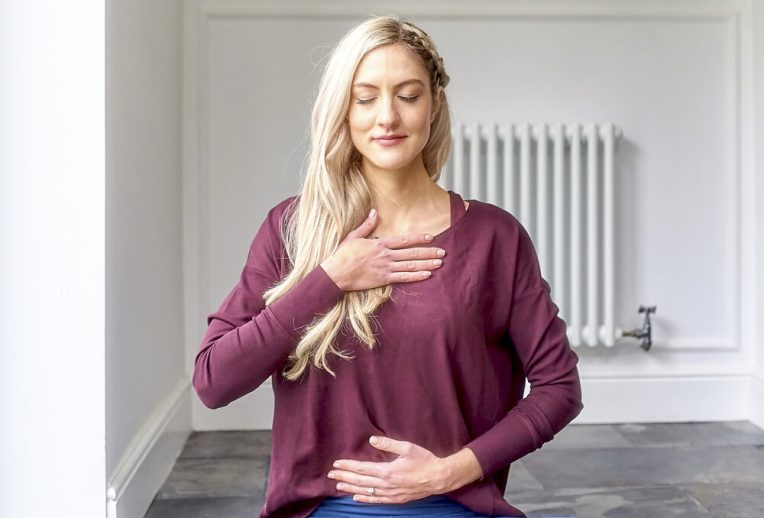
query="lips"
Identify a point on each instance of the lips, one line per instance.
(389, 140)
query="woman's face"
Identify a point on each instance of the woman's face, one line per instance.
(390, 96)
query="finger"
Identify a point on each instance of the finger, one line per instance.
(391, 445)
(376, 499)
(358, 492)
(405, 240)
(372, 469)
(396, 277)
(365, 228)
(418, 252)
(418, 265)
(350, 477)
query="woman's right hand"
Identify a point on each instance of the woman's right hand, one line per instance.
(361, 264)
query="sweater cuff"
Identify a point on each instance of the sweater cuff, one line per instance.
(313, 296)
(503, 444)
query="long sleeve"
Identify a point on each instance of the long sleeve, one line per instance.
(247, 341)
(539, 337)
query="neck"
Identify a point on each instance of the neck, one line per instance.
(402, 195)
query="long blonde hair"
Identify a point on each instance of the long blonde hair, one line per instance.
(334, 197)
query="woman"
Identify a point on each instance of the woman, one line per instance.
(461, 313)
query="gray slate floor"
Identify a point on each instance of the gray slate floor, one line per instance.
(628, 470)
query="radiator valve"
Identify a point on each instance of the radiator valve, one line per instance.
(646, 333)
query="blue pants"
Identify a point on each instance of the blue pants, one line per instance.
(435, 505)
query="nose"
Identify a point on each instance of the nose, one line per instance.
(388, 114)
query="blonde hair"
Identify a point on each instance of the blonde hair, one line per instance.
(334, 198)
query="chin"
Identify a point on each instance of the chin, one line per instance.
(391, 164)
(392, 160)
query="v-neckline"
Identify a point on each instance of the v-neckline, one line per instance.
(458, 211)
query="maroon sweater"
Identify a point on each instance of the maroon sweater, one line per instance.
(449, 369)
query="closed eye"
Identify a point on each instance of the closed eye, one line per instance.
(410, 99)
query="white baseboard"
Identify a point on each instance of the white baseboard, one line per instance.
(662, 399)
(756, 400)
(150, 457)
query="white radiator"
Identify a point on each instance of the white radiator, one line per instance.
(558, 181)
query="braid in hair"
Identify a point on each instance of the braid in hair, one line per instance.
(424, 46)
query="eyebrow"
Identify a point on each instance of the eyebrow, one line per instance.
(402, 83)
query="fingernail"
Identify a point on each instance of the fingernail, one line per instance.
(373, 440)
(331, 475)
(441, 253)
(428, 237)
(372, 213)
(336, 464)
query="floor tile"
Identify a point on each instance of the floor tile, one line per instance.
(555, 469)
(575, 437)
(206, 508)
(735, 499)
(741, 432)
(228, 444)
(661, 435)
(215, 477)
(621, 502)
(520, 479)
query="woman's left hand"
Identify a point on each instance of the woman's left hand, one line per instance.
(416, 473)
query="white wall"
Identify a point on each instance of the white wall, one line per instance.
(147, 412)
(757, 381)
(52, 438)
(675, 76)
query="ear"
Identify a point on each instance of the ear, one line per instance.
(436, 103)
